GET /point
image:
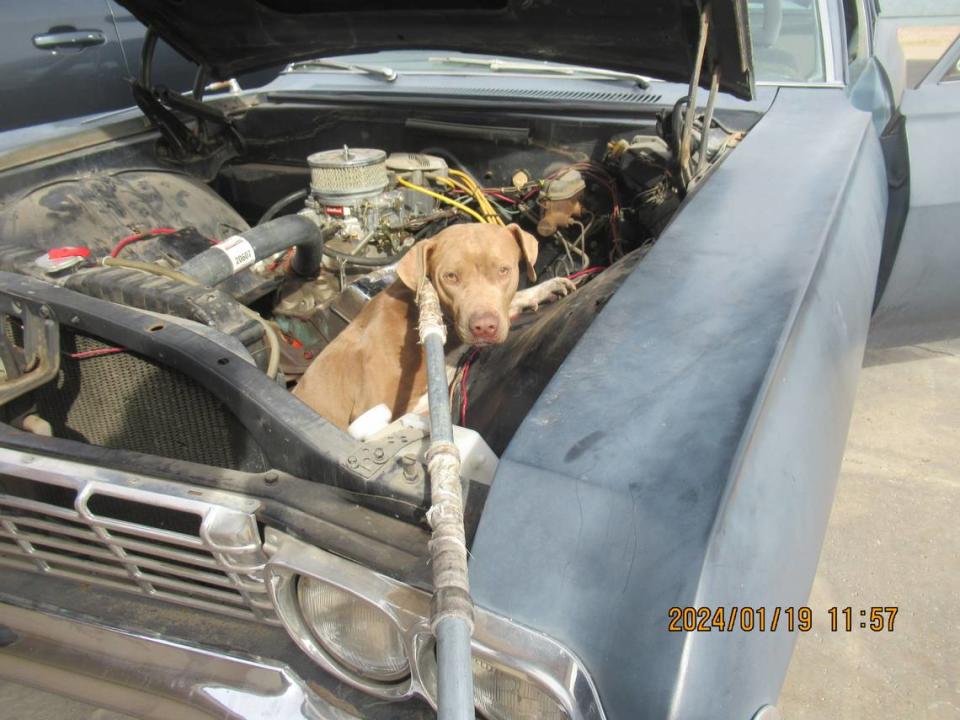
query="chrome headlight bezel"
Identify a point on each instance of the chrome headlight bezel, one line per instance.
(498, 641)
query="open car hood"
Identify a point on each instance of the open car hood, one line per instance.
(651, 37)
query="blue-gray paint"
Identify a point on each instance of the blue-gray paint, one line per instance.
(686, 452)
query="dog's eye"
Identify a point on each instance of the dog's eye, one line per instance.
(504, 269)
(451, 277)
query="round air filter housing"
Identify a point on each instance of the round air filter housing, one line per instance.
(342, 177)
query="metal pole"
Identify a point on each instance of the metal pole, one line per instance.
(452, 608)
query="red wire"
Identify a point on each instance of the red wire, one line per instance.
(499, 196)
(86, 354)
(130, 239)
(586, 271)
(464, 402)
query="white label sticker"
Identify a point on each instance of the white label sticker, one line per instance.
(239, 251)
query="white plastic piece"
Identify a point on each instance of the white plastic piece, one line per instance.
(415, 421)
(370, 423)
(239, 251)
(477, 461)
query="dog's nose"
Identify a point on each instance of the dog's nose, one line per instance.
(484, 326)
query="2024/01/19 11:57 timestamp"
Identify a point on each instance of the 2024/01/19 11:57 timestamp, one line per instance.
(764, 619)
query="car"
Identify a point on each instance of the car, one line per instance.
(68, 59)
(62, 60)
(741, 189)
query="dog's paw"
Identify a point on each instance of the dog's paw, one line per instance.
(560, 286)
(531, 298)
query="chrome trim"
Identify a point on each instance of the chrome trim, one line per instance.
(826, 38)
(797, 84)
(146, 676)
(543, 661)
(220, 569)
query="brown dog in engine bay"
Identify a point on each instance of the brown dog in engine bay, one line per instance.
(377, 359)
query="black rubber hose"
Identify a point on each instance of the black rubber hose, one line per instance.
(232, 255)
(363, 261)
(282, 203)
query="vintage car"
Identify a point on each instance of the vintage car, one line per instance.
(738, 188)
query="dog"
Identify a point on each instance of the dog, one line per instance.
(377, 359)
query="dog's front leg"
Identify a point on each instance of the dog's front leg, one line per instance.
(547, 291)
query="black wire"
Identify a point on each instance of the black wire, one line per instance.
(281, 204)
(199, 82)
(146, 57)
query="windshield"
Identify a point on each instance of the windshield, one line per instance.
(786, 38)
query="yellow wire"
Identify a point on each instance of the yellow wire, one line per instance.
(453, 183)
(443, 198)
(477, 192)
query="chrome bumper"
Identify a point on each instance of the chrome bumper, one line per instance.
(148, 677)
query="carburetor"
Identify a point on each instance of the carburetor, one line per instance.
(353, 187)
(354, 193)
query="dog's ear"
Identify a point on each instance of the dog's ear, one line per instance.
(529, 247)
(415, 262)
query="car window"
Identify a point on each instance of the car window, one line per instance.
(923, 46)
(786, 39)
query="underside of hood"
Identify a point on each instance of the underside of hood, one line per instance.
(649, 37)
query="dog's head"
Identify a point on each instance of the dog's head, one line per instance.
(475, 270)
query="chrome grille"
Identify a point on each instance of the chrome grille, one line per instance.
(174, 542)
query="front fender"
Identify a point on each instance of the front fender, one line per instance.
(686, 453)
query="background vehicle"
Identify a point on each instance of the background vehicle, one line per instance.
(669, 436)
(68, 58)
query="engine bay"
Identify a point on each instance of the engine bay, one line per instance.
(374, 207)
(140, 230)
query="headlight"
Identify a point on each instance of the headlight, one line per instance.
(503, 695)
(372, 632)
(356, 633)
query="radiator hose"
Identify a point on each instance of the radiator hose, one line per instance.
(238, 252)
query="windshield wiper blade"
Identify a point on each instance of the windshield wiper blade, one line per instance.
(498, 65)
(388, 74)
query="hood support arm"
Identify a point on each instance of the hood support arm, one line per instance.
(160, 105)
(686, 140)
